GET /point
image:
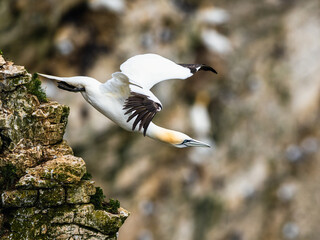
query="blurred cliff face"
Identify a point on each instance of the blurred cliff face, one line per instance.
(261, 111)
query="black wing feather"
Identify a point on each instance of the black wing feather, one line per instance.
(139, 118)
(143, 107)
(68, 87)
(198, 67)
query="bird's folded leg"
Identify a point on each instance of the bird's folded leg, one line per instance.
(70, 88)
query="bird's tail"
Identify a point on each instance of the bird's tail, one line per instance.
(73, 84)
(53, 77)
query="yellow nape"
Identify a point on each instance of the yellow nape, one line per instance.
(170, 137)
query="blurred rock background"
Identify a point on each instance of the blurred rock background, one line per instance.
(261, 112)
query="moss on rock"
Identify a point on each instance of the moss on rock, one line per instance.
(80, 193)
(19, 198)
(65, 170)
(98, 199)
(34, 87)
(28, 223)
(52, 197)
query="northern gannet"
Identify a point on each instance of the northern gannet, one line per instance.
(126, 98)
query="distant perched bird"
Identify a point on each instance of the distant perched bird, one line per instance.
(126, 98)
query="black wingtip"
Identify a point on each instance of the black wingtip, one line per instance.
(208, 68)
(199, 67)
(68, 87)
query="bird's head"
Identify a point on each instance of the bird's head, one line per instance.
(189, 142)
(181, 140)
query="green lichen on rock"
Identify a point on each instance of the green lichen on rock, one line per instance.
(80, 193)
(52, 197)
(64, 170)
(19, 198)
(45, 191)
(28, 223)
(86, 215)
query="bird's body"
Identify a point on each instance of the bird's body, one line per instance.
(126, 98)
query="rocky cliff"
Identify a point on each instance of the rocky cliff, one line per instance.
(262, 111)
(46, 192)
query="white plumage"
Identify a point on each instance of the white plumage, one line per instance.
(126, 98)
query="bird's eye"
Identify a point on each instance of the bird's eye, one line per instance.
(185, 141)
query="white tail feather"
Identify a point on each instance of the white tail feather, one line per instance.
(51, 77)
(77, 81)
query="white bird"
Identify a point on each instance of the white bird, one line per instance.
(126, 98)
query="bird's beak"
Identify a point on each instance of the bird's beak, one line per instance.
(196, 143)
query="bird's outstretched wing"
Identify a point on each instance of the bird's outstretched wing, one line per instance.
(149, 69)
(141, 107)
